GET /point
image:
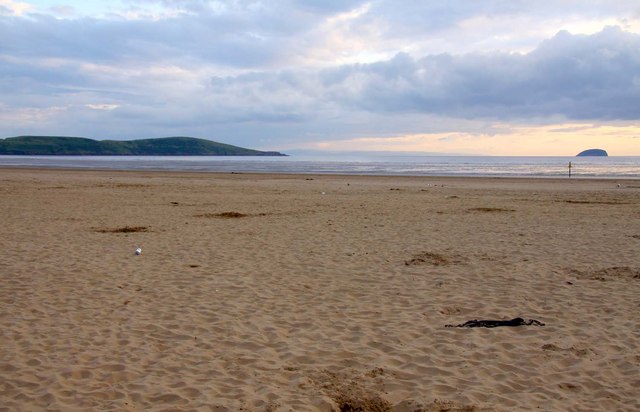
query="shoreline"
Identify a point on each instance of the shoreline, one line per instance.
(549, 179)
(279, 292)
(626, 168)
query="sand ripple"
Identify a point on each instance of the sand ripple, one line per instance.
(260, 293)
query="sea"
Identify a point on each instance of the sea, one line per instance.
(611, 167)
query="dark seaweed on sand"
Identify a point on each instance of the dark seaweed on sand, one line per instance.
(125, 229)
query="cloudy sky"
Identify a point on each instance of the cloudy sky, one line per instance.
(498, 77)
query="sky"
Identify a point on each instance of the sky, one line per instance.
(485, 77)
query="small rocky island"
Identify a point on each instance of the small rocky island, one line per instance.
(80, 146)
(593, 152)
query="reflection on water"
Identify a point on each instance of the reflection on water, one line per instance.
(370, 164)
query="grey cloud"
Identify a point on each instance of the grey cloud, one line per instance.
(579, 77)
(411, 17)
(43, 65)
(328, 6)
(572, 76)
(87, 39)
(233, 39)
(319, 6)
(260, 34)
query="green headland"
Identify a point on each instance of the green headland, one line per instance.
(80, 146)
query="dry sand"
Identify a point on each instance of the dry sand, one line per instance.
(293, 293)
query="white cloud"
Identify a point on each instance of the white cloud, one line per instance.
(102, 106)
(11, 7)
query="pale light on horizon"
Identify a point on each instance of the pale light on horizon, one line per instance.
(551, 140)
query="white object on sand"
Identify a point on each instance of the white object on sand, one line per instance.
(138, 251)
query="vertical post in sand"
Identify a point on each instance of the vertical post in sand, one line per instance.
(569, 169)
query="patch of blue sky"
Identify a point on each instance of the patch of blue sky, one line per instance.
(95, 8)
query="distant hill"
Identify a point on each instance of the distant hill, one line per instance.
(593, 152)
(80, 146)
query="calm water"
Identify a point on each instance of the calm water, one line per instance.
(501, 166)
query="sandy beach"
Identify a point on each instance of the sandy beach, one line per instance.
(316, 293)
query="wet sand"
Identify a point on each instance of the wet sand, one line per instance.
(296, 292)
